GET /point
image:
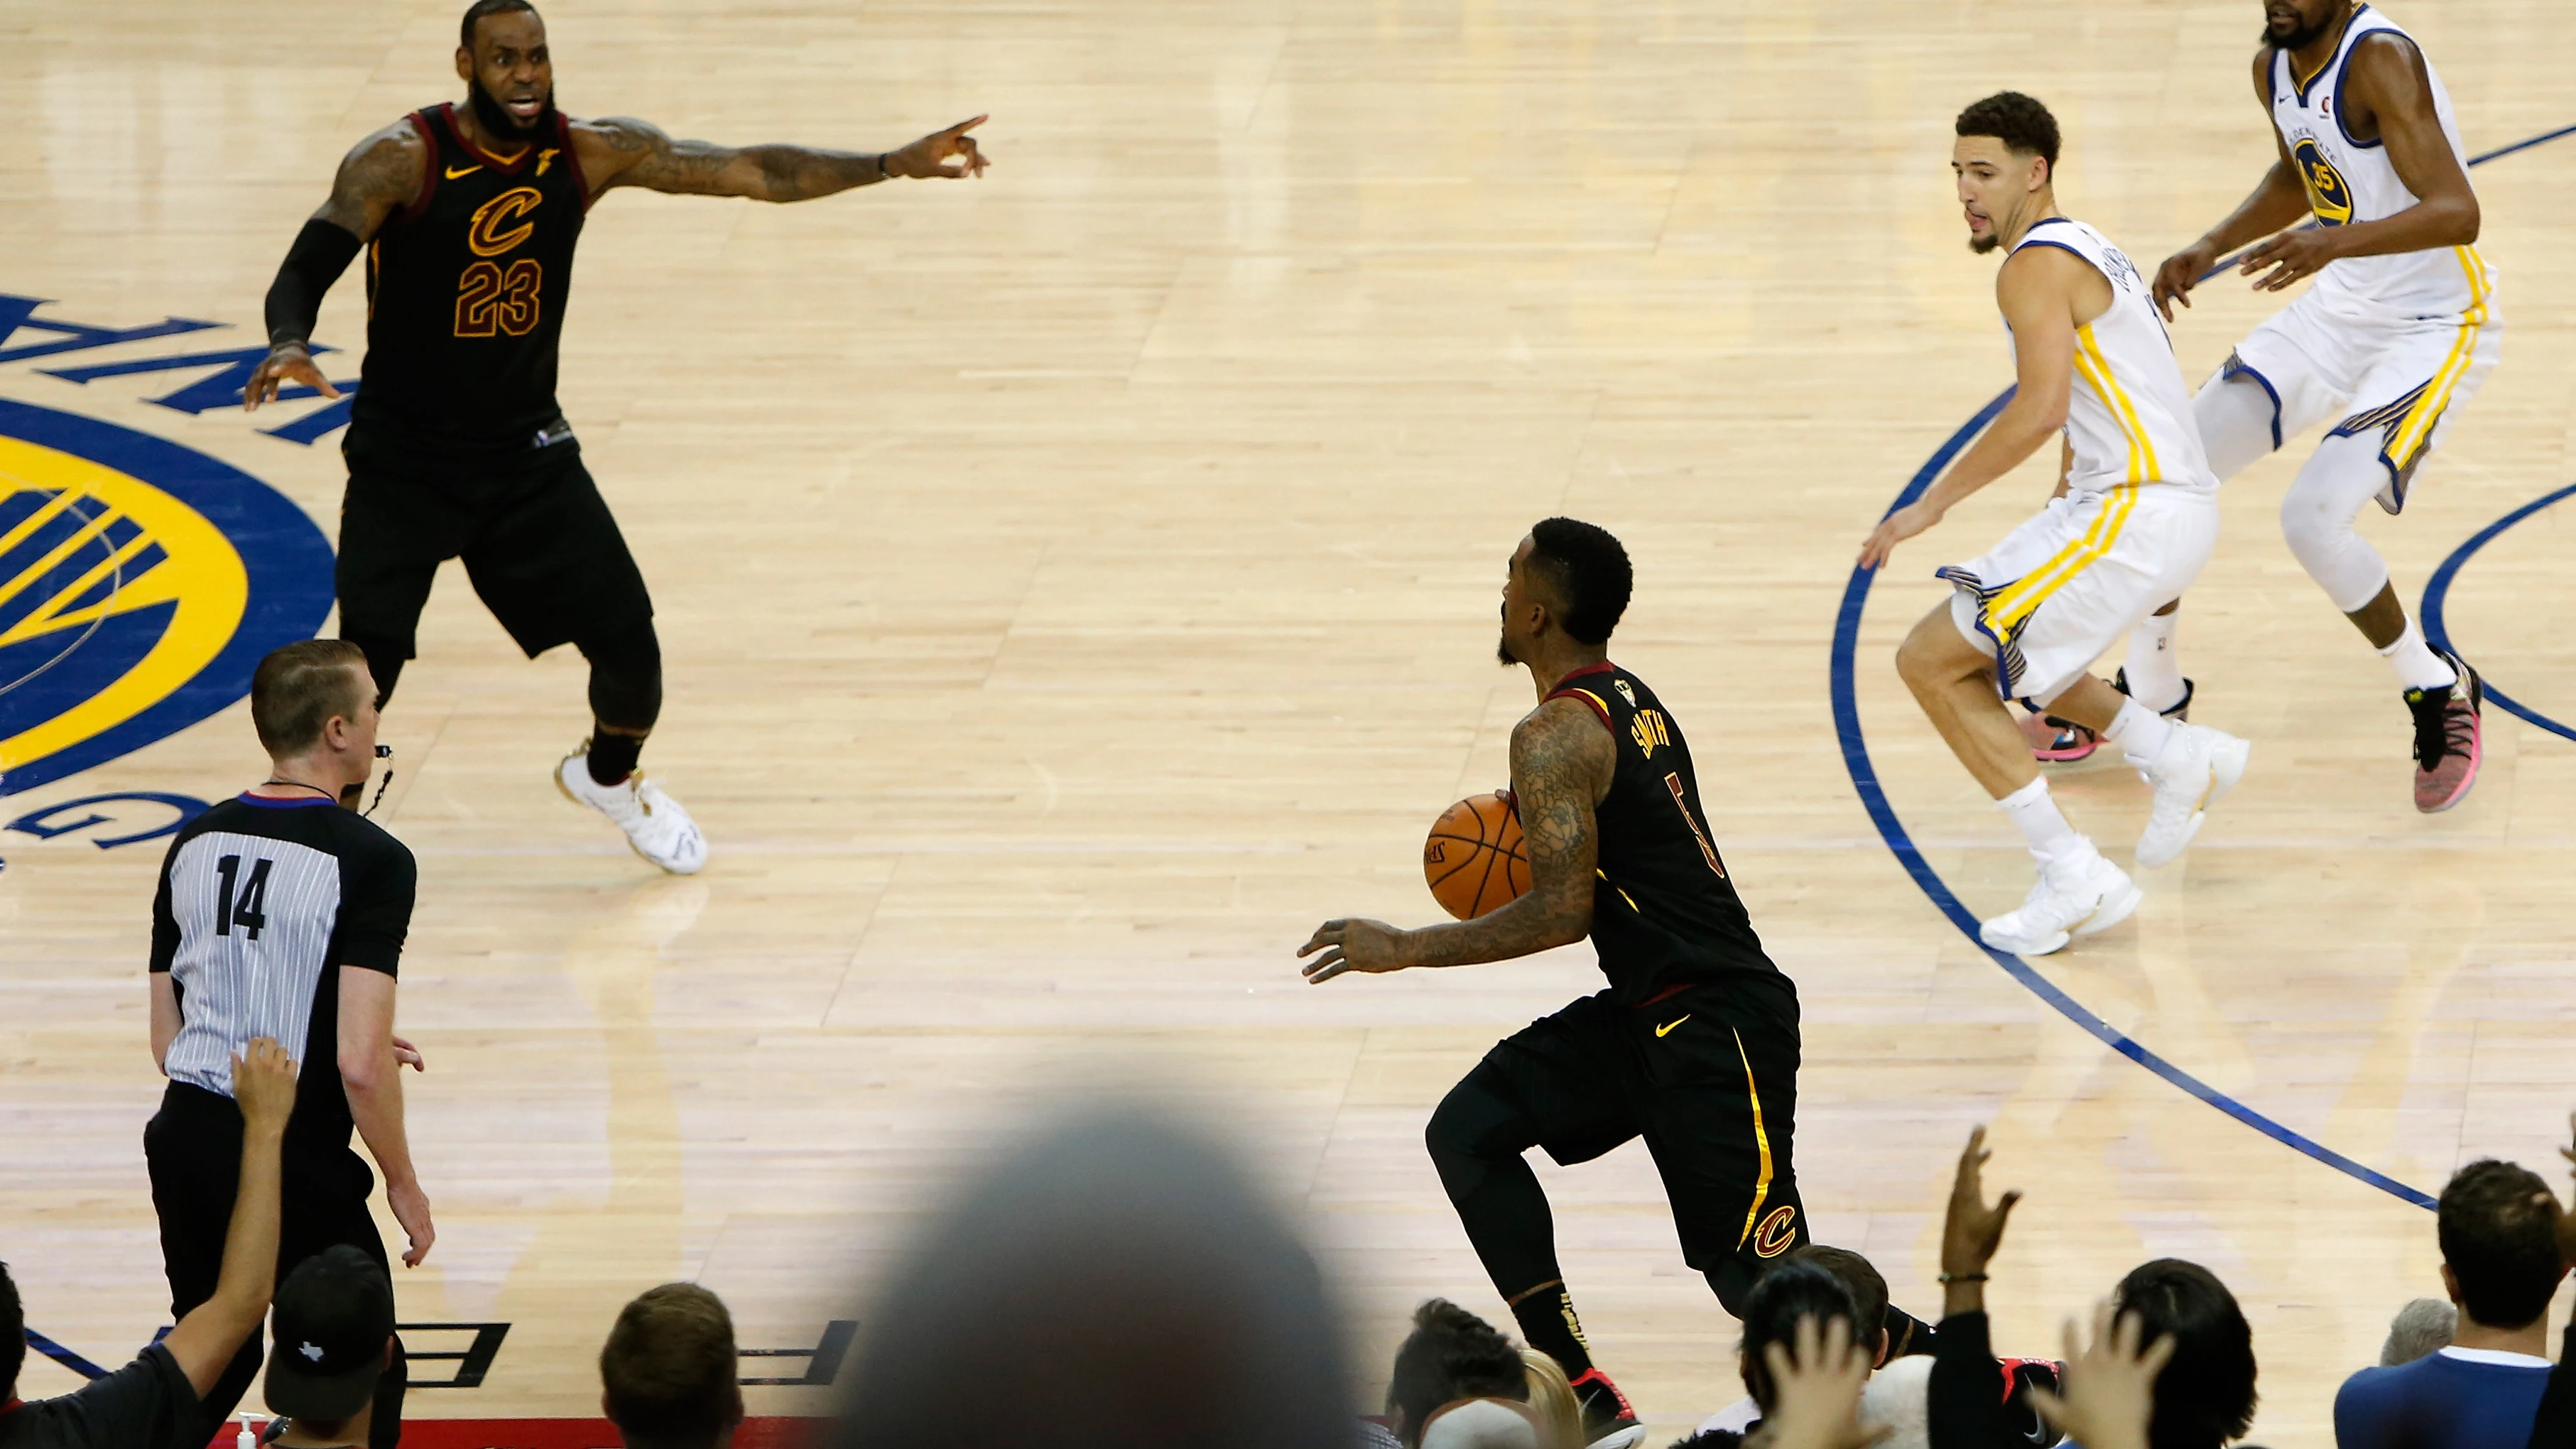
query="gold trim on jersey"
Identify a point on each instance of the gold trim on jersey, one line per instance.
(2014, 602)
(2096, 370)
(1761, 1144)
(2415, 429)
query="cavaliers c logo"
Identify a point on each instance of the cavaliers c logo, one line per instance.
(140, 583)
(493, 232)
(1777, 1232)
(2328, 197)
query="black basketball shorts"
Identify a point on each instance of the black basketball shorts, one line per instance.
(539, 545)
(1709, 1077)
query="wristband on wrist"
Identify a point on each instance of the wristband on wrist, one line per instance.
(1963, 1278)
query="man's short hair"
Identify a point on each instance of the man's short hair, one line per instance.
(2205, 1396)
(13, 1335)
(2498, 1237)
(297, 689)
(1588, 572)
(2022, 124)
(1868, 1290)
(1451, 1354)
(669, 1369)
(1797, 1288)
(481, 8)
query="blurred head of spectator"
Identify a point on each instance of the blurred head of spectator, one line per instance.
(1482, 1424)
(1797, 1288)
(2497, 1223)
(2205, 1396)
(1113, 1281)
(1868, 1293)
(13, 1335)
(1450, 1355)
(667, 1374)
(1552, 1402)
(2418, 1329)
(334, 1326)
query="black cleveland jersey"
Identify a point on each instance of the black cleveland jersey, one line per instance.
(1664, 914)
(466, 290)
(261, 903)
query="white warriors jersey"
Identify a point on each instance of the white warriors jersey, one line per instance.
(2128, 413)
(2351, 181)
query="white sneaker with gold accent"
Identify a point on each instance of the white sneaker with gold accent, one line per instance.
(655, 825)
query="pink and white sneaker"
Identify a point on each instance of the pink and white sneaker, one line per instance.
(2449, 741)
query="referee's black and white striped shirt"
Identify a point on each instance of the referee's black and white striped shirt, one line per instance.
(261, 902)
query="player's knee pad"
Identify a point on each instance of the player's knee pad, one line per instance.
(2317, 515)
(2238, 422)
(625, 677)
(384, 661)
(1476, 1125)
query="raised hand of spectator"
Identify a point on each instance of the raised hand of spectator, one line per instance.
(2567, 1220)
(1816, 1403)
(1972, 1231)
(264, 1085)
(2110, 1385)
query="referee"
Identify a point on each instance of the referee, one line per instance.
(281, 914)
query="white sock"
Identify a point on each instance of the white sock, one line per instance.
(2142, 732)
(2154, 669)
(2036, 815)
(2417, 666)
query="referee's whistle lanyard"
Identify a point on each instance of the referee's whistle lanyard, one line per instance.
(349, 796)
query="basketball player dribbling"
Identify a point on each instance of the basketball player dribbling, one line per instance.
(2130, 528)
(456, 446)
(1694, 1046)
(2399, 330)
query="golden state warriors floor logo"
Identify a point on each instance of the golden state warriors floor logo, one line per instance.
(140, 583)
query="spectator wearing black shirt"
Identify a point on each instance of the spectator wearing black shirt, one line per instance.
(2501, 1266)
(155, 1401)
(282, 914)
(2204, 1396)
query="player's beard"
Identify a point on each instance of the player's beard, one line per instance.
(1503, 650)
(1984, 244)
(2301, 38)
(500, 125)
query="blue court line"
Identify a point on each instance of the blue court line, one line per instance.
(63, 1356)
(1873, 797)
(2439, 590)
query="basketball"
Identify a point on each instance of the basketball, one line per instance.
(1475, 860)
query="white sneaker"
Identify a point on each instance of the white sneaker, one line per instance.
(2076, 895)
(2198, 765)
(654, 823)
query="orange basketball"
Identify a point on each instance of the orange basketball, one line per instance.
(1475, 860)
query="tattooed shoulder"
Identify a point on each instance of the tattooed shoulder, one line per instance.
(1560, 749)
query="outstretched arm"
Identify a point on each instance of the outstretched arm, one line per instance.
(2280, 199)
(380, 175)
(2037, 291)
(622, 151)
(1562, 760)
(2389, 87)
(206, 1339)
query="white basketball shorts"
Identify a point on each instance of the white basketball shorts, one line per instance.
(2048, 600)
(2398, 378)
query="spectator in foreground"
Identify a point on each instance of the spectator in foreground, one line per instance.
(2419, 1328)
(2500, 1263)
(1113, 1283)
(2204, 1396)
(1552, 1402)
(335, 1341)
(2554, 1426)
(153, 1402)
(668, 1374)
(1894, 1395)
(1451, 1356)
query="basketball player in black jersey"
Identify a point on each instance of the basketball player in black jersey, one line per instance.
(1694, 1046)
(456, 447)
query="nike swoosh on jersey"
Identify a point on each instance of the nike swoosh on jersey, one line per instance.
(1667, 1027)
(455, 171)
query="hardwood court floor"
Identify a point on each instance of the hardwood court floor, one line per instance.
(1077, 584)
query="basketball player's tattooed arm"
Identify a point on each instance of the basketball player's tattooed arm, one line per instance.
(1562, 761)
(2387, 94)
(379, 176)
(2278, 200)
(622, 151)
(2043, 291)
